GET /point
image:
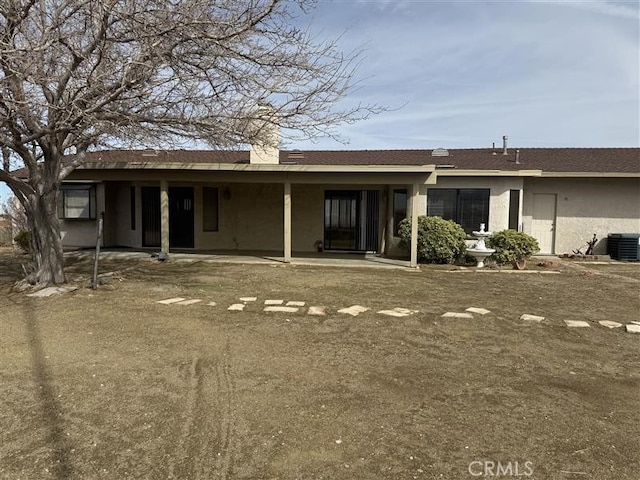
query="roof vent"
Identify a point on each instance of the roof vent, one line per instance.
(441, 166)
(150, 153)
(296, 154)
(440, 152)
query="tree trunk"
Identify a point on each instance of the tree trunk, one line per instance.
(46, 243)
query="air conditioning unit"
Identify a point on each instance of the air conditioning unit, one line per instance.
(624, 246)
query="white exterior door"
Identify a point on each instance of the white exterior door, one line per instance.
(544, 220)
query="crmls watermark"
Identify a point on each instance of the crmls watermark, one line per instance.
(489, 468)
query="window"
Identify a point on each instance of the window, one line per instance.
(209, 209)
(77, 201)
(399, 208)
(132, 207)
(468, 207)
(514, 209)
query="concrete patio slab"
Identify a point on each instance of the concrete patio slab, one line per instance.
(354, 310)
(189, 302)
(296, 304)
(456, 315)
(169, 301)
(609, 324)
(276, 308)
(577, 324)
(479, 311)
(273, 302)
(632, 328)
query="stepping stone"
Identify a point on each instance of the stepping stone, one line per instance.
(531, 318)
(189, 302)
(212, 304)
(577, 323)
(635, 323)
(248, 299)
(456, 315)
(609, 324)
(398, 312)
(47, 292)
(273, 302)
(295, 304)
(479, 311)
(169, 301)
(275, 308)
(238, 307)
(632, 328)
(317, 310)
(354, 310)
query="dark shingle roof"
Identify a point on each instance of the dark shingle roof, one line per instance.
(615, 160)
(567, 160)
(619, 160)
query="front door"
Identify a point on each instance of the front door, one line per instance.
(543, 224)
(351, 220)
(181, 217)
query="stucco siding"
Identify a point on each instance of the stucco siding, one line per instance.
(586, 206)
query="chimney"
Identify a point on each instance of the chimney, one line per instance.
(265, 149)
(504, 145)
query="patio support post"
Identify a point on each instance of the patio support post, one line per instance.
(164, 216)
(414, 224)
(287, 221)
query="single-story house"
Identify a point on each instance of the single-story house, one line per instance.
(295, 201)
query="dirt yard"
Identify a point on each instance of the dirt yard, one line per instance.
(110, 384)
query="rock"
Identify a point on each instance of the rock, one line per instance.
(49, 291)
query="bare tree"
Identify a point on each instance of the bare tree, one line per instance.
(78, 75)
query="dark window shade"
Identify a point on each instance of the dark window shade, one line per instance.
(399, 208)
(514, 209)
(132, 207)
(209, 209)
(468, 207)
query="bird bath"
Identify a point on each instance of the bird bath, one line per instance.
(479, 251)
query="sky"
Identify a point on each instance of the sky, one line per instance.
(461, 74)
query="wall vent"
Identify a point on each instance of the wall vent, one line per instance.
(440, 152)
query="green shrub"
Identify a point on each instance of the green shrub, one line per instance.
(511, 246)
(439, 241)
(23, 240)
